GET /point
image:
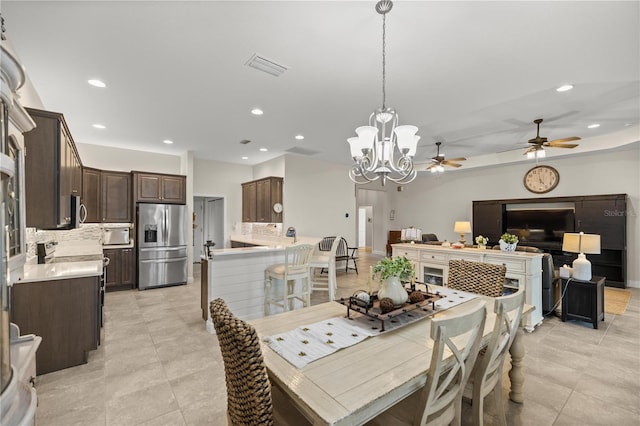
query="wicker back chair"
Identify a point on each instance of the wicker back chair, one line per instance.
(248, 387)
(476, 277)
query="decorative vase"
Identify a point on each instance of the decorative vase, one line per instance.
(482, 246)
(393, 289)
(507, 246)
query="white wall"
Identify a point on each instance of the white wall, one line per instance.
(316, 197)
(435, 203)
(269, 168)
(126, 160)
(217, 179)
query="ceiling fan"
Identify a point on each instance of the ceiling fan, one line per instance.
(537, 150)
(438, 162)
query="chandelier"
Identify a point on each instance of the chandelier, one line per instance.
(383, 150)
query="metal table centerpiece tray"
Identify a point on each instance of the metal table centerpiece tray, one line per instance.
(371, 307)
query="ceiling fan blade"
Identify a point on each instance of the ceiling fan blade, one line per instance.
(561, 145)
(456, 159)
(451, 164)
(572, 138)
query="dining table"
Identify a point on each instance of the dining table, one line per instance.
(355, 384)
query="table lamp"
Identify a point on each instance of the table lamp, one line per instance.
(462, 228)
(581, 243)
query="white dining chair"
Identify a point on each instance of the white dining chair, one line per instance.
(323, 259)
(487, 372)
(439, 402)
(294, 268)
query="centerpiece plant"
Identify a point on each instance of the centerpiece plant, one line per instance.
(391, 271)
(508, 242)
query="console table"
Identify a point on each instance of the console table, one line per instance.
(583, 300)
(524, 270)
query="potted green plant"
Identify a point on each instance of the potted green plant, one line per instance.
(508, 242)
(482, 241)
(390, 272)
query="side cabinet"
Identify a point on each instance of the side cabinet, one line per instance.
(258, 199)
(159, 188)
(120, 273)
(65, 313)
(53, 171)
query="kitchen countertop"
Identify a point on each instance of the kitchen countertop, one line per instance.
(265, 240)
(60, 271)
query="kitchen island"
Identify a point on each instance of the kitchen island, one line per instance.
(236, 275)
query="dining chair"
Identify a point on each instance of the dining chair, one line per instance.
(325, 260)
(476, 277)
(294, 268)
(487, 372)
(250, 400)
(456, 340)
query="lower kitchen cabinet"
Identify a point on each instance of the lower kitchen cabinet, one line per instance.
(120, 273)
(65, 313)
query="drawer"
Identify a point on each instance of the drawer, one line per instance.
(513, 265)
(426, 256)
(469, 257)
(411, 254)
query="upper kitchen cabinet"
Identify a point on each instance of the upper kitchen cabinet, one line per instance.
(115, 199)
(92, 194)
(159, 188)
(262, 200)
(53, 171)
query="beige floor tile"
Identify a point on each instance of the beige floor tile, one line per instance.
(206, 412)
(134, 380)
(584, 410)
(173, 418)
(141, 406)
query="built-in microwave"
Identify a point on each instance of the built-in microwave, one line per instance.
(115, 236)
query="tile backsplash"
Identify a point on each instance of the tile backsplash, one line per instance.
(86, 231)
(261, 229)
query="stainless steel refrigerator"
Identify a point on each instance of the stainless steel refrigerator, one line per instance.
(162, 245)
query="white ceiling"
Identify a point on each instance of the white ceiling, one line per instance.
(471, 74)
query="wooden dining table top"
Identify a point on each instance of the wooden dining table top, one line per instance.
(355, 384)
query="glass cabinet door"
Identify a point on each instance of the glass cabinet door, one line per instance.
(433, 274)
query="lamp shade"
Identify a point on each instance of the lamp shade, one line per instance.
(367, 135)
(581, 243)
(406, 137)
(462, 227)
(355, 146)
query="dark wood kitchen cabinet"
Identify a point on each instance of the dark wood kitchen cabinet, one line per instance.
(65, 312)
(116, 205)
(258, 199)
(159, 188)
(53, 171)
(92, 194)
(120, 273)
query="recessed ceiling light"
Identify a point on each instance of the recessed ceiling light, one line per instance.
(299, 137)
(564, 88)
(257, 111)
(245, 158)
(167, 141)
(99, 126)
(264, 149)
(97, 83)
(593, 126)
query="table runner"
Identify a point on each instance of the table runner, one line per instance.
(308, 343)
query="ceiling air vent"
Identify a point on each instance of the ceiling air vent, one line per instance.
(245, 141)
(302, 151)
(267, 65)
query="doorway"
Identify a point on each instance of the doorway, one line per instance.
(365, 228)
(208, 224)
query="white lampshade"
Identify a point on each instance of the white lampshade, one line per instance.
(405, 137)
(462, 227)
(354, 145)
(367, 135)
(581, 243)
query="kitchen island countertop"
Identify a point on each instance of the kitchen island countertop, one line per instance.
(60, 271)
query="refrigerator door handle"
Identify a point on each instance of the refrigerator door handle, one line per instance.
(177, 259)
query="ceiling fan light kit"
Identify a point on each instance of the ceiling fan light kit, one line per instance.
(438, 162)
(539, 143)
(383, 150)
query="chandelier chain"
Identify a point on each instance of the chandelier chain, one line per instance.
(384, 60)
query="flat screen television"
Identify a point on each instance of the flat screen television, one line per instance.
(540, 225)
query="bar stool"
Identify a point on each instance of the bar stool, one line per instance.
(295, 267)
(325, 260)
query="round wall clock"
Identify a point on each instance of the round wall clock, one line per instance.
(277, 207)
(541, 179)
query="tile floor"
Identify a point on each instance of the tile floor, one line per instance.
(158, 366)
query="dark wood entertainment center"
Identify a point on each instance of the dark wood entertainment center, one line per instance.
(605, 215)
